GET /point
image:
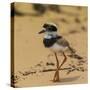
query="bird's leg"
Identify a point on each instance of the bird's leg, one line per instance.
(56, 77)
(65, 58)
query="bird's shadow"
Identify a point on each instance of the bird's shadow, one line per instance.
(69, 79)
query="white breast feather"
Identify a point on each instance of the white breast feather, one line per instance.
(57, 48)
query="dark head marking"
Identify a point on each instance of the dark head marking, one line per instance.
(45, 25)
(50, 27)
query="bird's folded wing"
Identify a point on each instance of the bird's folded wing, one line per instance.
(63, 42)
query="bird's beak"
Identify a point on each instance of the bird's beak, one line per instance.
(41, 31)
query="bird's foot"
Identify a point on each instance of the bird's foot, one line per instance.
(56, 80)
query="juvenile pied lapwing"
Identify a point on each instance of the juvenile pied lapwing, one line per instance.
(57, 44)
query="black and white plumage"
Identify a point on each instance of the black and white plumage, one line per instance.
(49, 42)
(54, 41)
(57, 43)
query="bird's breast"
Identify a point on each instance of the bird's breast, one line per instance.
(49, 42)
(57, 48)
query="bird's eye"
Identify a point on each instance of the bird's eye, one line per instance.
(45, 25)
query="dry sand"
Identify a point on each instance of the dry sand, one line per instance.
(29, 49)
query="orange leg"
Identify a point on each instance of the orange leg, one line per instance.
(56, 78)
(65, 58)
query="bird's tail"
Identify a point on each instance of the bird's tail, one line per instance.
(71, 49)
(73, 54)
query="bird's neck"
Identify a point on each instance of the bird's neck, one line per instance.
(49, 36)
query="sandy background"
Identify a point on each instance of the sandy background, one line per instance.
(30, 51)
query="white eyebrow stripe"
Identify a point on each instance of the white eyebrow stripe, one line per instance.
(52, 24)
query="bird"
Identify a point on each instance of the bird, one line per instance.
(57, 44)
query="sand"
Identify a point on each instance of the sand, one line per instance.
(29, 49)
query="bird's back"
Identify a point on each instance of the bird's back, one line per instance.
(63, 42)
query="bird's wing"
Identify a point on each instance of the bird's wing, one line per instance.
(63, 42)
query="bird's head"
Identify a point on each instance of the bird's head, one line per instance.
(49, 28)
